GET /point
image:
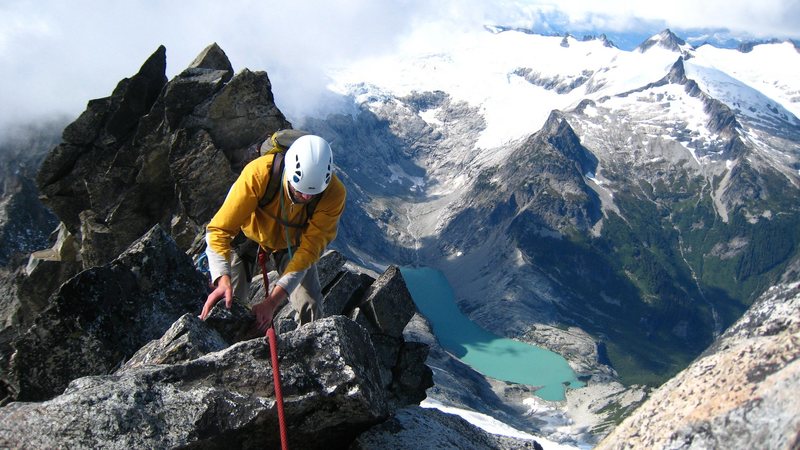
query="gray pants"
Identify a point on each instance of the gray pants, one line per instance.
(306, 299)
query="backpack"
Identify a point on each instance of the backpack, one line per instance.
(277, 144)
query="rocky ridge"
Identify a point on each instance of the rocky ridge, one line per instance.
(156, 152)
(110, 353)
(203, 384)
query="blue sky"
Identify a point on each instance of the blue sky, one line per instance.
(55, 55)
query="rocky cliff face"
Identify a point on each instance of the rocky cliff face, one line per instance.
(737, 394)
(24, 222)
(152, 153)
(101, 316)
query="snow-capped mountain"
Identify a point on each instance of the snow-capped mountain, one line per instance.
(666, 40)
(645, 196)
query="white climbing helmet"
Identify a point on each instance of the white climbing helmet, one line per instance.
(308, 164)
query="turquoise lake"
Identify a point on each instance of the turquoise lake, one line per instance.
(494, 356)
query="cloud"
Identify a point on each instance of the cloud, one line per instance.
(57, 55)
(768, 18)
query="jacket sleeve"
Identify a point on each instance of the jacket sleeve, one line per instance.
(321, 229)
(241, 201)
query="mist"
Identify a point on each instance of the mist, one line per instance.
(55, 56)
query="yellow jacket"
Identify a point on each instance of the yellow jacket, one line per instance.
(240, 211)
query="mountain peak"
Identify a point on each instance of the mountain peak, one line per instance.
(748, 46)
(602, 38)
(213, 58)
(606, 41)
(666, 39)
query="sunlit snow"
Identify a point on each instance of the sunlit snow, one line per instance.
(773, 69)
(494, 426)
(482, 69)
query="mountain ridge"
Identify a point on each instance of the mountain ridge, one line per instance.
(696, 37)
(556, 228)
(687, 147)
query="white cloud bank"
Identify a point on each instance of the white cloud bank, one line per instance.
(56, 55)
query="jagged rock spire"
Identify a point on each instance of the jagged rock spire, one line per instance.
(214, 58)
(156, 152)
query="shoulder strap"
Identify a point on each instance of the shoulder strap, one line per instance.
(312, 205)
(274, 183)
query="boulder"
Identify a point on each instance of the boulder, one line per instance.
(213, 58)
(330, 383)
(345, 292)
(186, 339)
(387, 305)
(385, 310)
(204, 77)
(329, 267)
(102, 316)
(243, 111)
(410, 376)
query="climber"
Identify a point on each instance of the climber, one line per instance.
(294, 227)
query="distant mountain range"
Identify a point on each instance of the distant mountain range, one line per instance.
(628, 40)
(645, 196)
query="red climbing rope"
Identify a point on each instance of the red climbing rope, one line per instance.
(273, 349)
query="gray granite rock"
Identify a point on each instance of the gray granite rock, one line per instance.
(735, 394)
(331, 389)
(102, 316)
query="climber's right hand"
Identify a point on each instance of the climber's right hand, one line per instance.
(222, 290)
